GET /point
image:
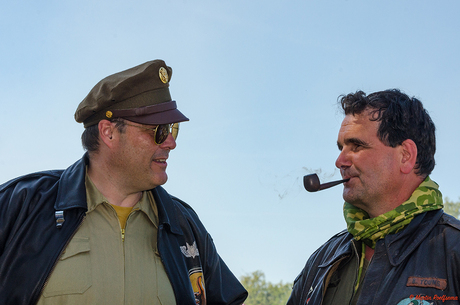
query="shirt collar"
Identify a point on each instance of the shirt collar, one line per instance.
(93, 196)
(146, 204)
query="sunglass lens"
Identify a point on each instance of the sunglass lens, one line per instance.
(162, 133)
(175, 130)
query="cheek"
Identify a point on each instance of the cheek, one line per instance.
(367, 168)
(380, 170)
(142, 149)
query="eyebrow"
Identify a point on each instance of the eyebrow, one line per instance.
(354, 141)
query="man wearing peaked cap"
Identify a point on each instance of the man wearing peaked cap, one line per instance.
(104, 231)
(140, 94)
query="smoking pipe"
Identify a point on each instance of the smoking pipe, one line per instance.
(312, 184)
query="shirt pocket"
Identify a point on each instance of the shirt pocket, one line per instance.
(72, 274)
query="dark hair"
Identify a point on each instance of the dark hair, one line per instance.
(401, 118)
(90, 137)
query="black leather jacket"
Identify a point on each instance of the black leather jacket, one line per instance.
(32, 237)
(422, 262)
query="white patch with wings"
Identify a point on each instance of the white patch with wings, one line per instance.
(190, 251)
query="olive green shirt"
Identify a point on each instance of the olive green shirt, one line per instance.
(341, 280)
(100, 265)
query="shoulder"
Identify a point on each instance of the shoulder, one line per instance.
(175, 209)
(33, 180)
(338, 242)
(187, 211)
(169, 199)
(445, 235)
(182, 204)
(333, 249)
(338, 245)
(449, 221)
(26, 196)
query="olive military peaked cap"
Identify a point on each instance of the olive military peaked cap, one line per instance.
(140, 94)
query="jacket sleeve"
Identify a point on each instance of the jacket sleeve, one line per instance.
(222, 286)
(16, 201)
(7, 211)
(24, 216)
(299, 295)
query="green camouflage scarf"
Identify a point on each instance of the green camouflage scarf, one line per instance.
(425, 198)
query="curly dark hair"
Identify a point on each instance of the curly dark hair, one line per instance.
(90, 136)
(401, 118)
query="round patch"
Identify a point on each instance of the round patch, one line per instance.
(109, 114)
(416, 300)
(163, 75)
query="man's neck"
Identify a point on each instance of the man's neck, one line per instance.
(369, 253)
(110, 187)
(394, 199)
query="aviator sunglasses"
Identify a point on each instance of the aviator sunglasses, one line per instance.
(161, 132)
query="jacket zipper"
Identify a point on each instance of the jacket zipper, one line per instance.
(123, 231)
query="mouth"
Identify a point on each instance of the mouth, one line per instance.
(160, 161)
(348, 178)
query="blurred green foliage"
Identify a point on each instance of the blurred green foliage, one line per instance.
(262, 292)
(451, 207)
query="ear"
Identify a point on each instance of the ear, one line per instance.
(106, 132)
(409, 156)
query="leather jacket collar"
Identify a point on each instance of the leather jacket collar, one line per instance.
(72, 194)
(396, 245)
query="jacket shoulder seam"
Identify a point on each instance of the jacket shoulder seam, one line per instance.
(181, 202)
(447, 219)
(50, 173)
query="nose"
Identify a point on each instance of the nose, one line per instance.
(343, 161)
(169, 143)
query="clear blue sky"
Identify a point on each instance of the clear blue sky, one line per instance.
(259, 81)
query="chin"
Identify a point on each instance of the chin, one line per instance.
(349, 197)
(160, 181)
(346, 195)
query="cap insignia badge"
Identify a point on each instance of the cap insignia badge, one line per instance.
(163, 75)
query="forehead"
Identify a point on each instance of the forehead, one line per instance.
(358, 125)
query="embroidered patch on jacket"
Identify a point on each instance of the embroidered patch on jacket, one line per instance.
(430, 282)
(190, 251)
(196, 279)
(415, 301)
